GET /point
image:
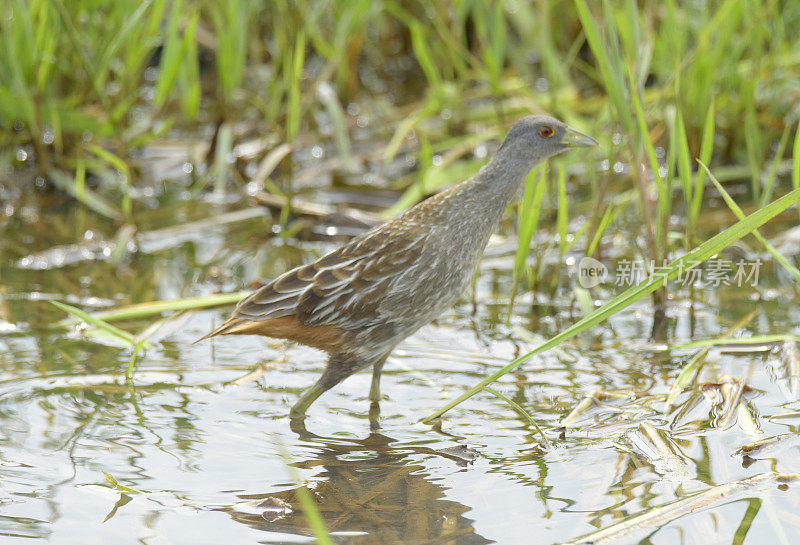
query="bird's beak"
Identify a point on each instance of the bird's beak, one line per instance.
(575, 139)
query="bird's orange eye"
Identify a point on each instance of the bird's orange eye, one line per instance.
(546, 131)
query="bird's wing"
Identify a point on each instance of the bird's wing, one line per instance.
(344, 288)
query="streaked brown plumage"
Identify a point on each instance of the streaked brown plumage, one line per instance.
(359, 301)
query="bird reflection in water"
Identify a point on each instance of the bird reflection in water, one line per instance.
(369, 491)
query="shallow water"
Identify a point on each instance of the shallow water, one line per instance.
(203, 445)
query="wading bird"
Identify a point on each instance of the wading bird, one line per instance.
(359, 301)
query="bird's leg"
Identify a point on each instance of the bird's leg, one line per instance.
(339, 368)
(309, 396)
(375, 387)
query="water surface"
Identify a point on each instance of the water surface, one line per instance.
(201, 439)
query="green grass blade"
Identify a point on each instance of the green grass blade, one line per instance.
(636, 293)
(737, 341)
(430, 106)
(110, 478)
(614, 83)
(585, 301)
(294, 113)
(796, 159)
(524, 414)
(327, 95)
(142, 337)
(76, 188)
(144, 310)
(693, 366)
(132, 361)
(664, 193)
(796, 162)
(221, 168)
(307, 504)
(684, 167)
(611, 213)
(706, 149)
(753, 143)
(424, 57)
(529, 218)
(562, 214)
(769, 181)
(118, 40)
(80, 180)
(97, 322)
(529, 210)
(123, 168)
(231, 21)
(171, 57)
(785, 263)
(189, 77)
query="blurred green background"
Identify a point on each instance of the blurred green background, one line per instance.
(85, 83)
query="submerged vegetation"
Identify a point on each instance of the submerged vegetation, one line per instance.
(145, 118)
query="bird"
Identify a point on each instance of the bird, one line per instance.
(358, 302)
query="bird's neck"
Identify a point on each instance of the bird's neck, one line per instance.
(473, 208)
(499, 180)
(479, 201)
(503, 175)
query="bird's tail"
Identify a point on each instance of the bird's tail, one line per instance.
(229, 326)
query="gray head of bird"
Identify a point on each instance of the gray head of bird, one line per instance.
(534, 138)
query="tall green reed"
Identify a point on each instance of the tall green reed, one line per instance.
(72, 73)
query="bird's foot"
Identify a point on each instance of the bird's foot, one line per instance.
(374, 416)
(298, 411)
